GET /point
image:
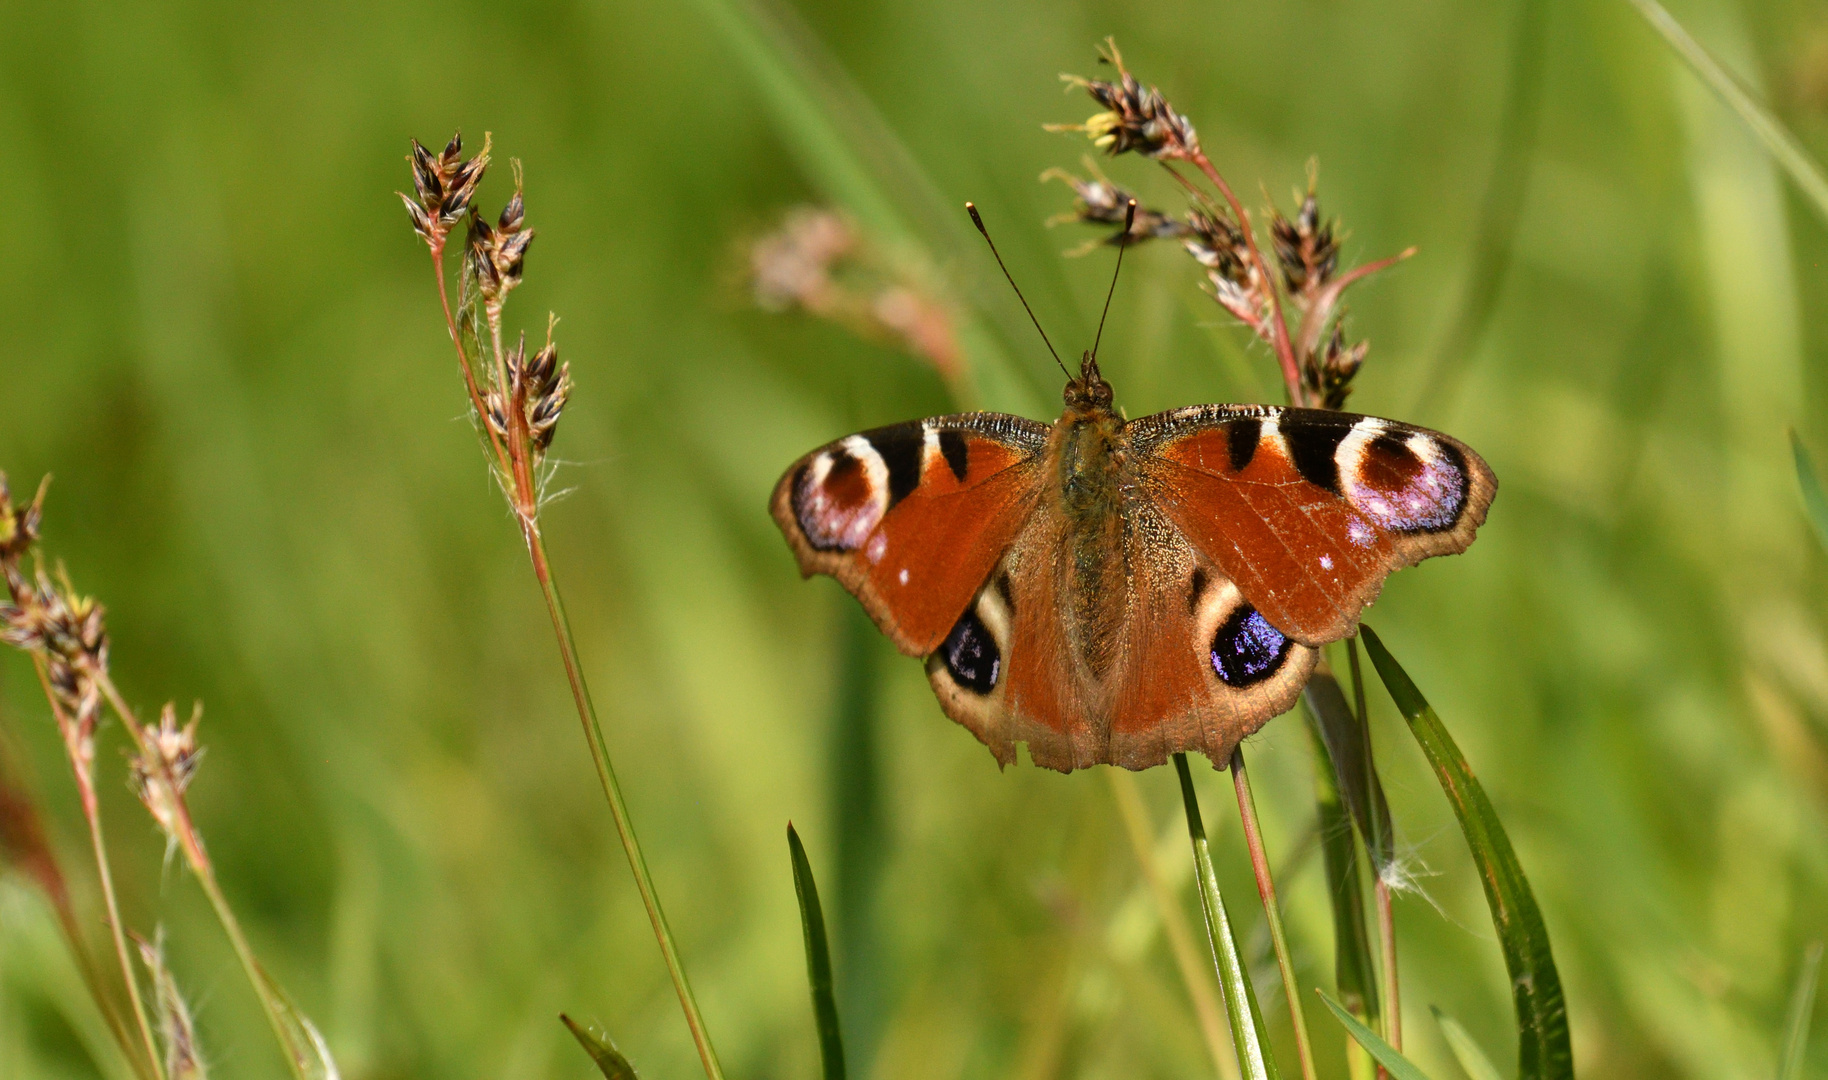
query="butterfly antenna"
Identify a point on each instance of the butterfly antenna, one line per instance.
(971, 209)
(1129, 219)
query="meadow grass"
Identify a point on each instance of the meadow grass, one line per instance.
(249, 412)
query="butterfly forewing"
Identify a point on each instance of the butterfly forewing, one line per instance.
(911, 518)
(1308, 510)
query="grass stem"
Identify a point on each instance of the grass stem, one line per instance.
(612, 789)
(85, 786)
(1386, 932)
(1379, 847)
(1266, 889)
(1249, 1038)
(1174, 925)
(184, 833)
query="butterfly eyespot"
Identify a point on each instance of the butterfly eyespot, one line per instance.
(1247, 649)
(840, 495)
(1408, 483)
(971, 655)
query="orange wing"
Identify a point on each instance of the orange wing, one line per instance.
(1308, 510)
(912, 518)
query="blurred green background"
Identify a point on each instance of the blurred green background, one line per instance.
(223, 339)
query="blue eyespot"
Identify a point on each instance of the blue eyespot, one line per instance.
(971, 655)
(1247, 649)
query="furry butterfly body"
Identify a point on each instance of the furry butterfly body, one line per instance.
(1115, 591)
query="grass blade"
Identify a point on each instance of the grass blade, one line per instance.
(1472, 1059)
(849, 152)
(818, 961)
(1354, 774)
(1248, 1035)
(1500, 211)
(1815, 502)
(1354, 971)
(610, 1061)
(1770, 131)
(1543, 1048)
(1393, 1062)
(1802, 1005)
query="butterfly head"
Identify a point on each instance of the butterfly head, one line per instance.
(1089, 392)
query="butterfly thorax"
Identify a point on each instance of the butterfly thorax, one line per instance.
(1089, 448)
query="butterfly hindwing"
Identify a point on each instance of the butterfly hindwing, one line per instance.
(911, 518)
(1308, 510)
(1189, 666)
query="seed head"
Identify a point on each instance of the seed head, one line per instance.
(19, 524)
(1218, 243)
(171, 753)
(1306, 248)
(1097, 201)
(445, 186)
(540, 387)
(1329, 376)
(495, 254)
(793, 266)
(1135, 118)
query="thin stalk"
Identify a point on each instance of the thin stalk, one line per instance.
(85, 787)
(184, 832)
(1386, 916)
(1386, 930)
(1174, 925)
(516, 472)
(1266, 888)
(1249, 1038)
(463, 359)
(625, 829)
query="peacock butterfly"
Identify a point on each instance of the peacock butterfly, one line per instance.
(1113, 591)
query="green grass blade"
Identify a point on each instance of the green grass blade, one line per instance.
(1355, 773)
(1398, 1066)
(1770, 131)
(1248, 1034)
(1472, 1059)
(847, 151)
(1354, 971)
(1815, 502)
(1802, 1006)
(818, 961)
(1543, 1048)
(1500, 211)
(610, 1061)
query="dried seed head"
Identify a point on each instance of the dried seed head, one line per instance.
(819, 262)
(540, 387)
(165, 767)
(176, 1028)
(19, 524)
(55, 622)
(1135, 118)
(495, 255)
(792, 266)
(1329, 376)
(1306, 248)
(1099, 202)
(445, 187)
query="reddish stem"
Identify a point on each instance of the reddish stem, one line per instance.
(1266, 890)
(1279, 338)
(1393, 1011)
(463, 360)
